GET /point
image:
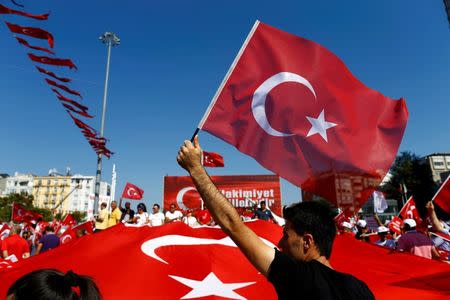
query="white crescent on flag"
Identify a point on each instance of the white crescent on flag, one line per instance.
(131, 192)
(180, 196)
(149, 247)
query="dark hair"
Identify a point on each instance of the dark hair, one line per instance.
(49, 229)
(262, 202)
(49, 284)
(156, 204)
(142, 205)
(315, 218)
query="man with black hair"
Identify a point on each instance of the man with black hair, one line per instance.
(127, 213)
(302, 269)
(49, 241)
(264, 213)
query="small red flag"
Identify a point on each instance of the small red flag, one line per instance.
(295, 107)
(80, 124)
(69, 220)
(81, 112)
(63, 87)
(62, 62)
(26, 44)
(46, 72)
(132, 192)
(6, 10)
(409, 211)
(212, 159)
(396, 225)
(68, 100)
(33, 32)
(442, 197)
(71, 233)
(339, 219)
(21, 214)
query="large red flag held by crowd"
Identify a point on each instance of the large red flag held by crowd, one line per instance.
(442, 197)
(243, 191)
(175, 261)
(132, 192)
(21, 214)
(295, 107)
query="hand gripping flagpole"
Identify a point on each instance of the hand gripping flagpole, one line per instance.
(110, 39)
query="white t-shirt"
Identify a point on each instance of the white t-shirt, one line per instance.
(172, 216)
(156, 219)
(191, 221)
(141, 218)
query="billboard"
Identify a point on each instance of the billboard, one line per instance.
(241, 190)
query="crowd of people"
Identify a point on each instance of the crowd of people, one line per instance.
(20, 241)
(425, 239)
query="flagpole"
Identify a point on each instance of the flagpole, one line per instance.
(110, 39)
(195, 133)
(12, 211)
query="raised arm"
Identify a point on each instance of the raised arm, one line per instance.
(256, 251)
(433, 217)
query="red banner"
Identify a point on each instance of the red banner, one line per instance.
(241, 190)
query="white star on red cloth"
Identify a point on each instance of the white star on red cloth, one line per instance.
(211, 286)
(320, 126)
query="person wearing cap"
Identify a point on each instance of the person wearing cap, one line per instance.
(141, 218)
(361, 226)
(347, 227)
(415, 242)
(384, 241)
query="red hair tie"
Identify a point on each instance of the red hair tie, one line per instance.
(76, 290)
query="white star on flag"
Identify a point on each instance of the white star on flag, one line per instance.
(211, 286)
(320, 126)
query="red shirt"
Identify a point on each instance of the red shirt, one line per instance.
(15, 245)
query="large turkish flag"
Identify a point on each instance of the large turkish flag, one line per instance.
(175, 261)
(295, 107)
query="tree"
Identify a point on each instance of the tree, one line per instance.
(412, 171)
(79, 216)
(23, 199)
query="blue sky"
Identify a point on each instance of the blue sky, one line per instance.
(172, 59)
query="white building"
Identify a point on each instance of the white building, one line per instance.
(19, 183)
(82, 197)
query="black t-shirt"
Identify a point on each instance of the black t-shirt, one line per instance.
(313, 280)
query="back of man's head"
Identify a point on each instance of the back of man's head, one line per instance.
(315, 218)
(49, 229)
(16, 229)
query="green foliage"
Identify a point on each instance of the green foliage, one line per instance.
(414, 172)
(79, 216)
(23, 199)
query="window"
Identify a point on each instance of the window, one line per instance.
(439, 165)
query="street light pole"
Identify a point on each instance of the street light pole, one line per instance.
(110, 40)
